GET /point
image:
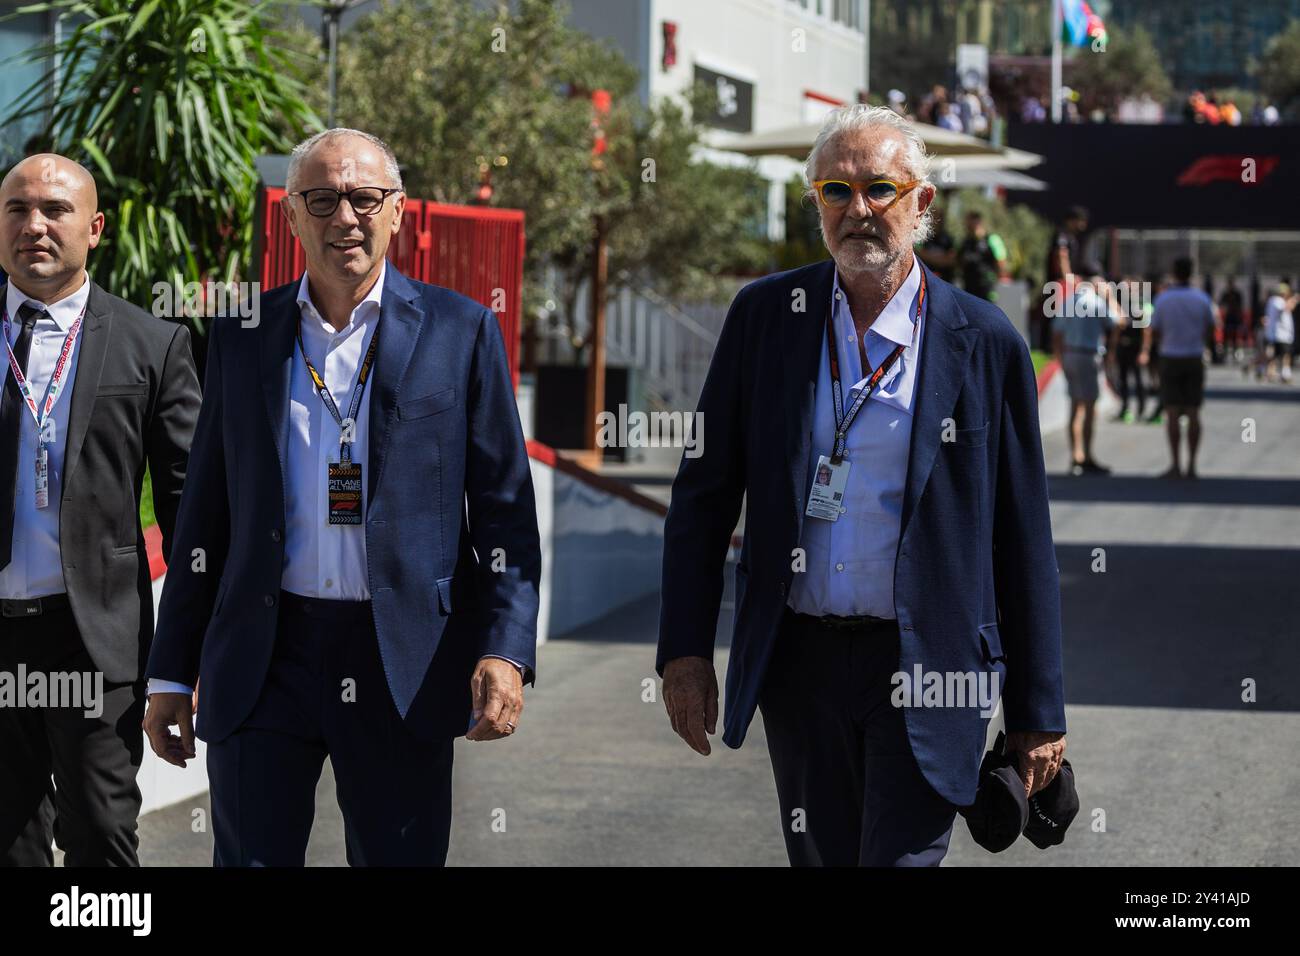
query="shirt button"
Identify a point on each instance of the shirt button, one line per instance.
(842, 510)
(329, 582)
(839, 567)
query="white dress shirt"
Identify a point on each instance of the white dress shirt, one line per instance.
(850, 561)
(322, 560)
(36, 569)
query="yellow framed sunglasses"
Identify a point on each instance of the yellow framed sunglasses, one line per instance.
(880, 194)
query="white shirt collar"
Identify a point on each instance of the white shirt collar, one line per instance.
(64, 312)
(897, 319)
(365, 308)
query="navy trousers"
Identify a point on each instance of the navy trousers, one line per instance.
(850, 790)
(326, 695)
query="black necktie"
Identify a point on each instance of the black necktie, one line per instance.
(12, 410)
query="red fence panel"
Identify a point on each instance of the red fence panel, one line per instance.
(282, 257)
(403, 251)
(477, 251)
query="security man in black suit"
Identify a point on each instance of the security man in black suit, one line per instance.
(75, 590)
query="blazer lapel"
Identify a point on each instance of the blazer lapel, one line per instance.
(801, 339)
(95, 332)
(277, 340)
(400, 323)
(946, 349)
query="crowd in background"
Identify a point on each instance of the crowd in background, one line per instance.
(969, 109)
(1213, 109)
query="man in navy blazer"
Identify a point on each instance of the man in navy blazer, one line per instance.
(897, 574)
(356, 565)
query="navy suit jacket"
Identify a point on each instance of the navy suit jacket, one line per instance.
(975, 584)
(448, 484)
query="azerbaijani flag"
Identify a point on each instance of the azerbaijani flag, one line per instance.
(1080, 26)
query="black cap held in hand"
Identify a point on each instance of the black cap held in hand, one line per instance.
(1052, 809)
(1000, 811)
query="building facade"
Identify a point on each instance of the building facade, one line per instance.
(772, 64)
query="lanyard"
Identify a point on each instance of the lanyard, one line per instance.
(54, 389)
(357, 390)
(844, 419)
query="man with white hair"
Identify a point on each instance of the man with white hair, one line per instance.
(929, 552)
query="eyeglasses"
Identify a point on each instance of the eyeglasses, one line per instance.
(365, 200)
(879, 193)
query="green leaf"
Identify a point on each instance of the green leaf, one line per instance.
(161, 127)
(140, 20)
(100, 159)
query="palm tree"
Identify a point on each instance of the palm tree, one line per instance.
(168, 102)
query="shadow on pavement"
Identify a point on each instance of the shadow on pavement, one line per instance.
(1251, 395)
(1121, 489)
(1180, 627)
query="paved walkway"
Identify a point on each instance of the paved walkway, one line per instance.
(1198, 594)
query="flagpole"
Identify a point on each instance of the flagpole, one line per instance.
(1057, 26)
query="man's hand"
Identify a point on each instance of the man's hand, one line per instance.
(691, 698)
(1038, 757)
(162, 712)
(498, 691)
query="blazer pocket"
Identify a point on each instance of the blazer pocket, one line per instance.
(426, 406)
(125, 550)
(444, 595)
(971, 436)
(991, 641)
(122, 391)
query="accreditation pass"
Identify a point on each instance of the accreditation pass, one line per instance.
(826, 499)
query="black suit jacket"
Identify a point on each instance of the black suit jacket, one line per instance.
(135, 399)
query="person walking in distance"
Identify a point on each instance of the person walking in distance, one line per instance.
(1084, 325)
(1182, 328)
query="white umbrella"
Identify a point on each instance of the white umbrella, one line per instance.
(796, 142)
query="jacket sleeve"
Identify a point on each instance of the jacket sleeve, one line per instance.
(1025, 575)
(502, 512)
(201, 540)
(171, 432)
(706, 499)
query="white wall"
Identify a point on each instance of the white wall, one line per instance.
(755, 40)
(161, 784)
